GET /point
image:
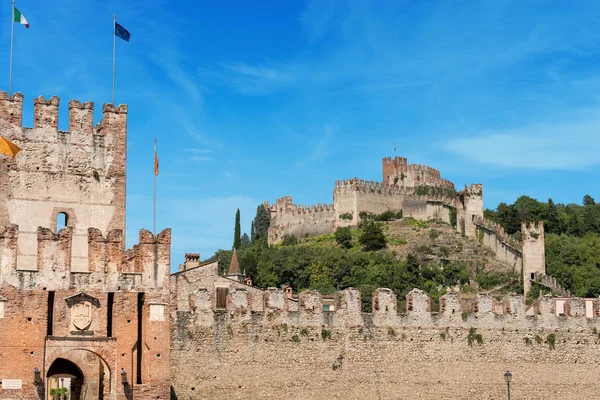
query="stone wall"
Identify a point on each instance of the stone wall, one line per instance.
(80, 173)
(301, 221)
(311, 354)
(506, 249)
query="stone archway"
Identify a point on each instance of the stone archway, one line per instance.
(64, 374)
(86, 373)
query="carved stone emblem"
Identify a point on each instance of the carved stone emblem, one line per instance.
(82, 308)
(81, 315)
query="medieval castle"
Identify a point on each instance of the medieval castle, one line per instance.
(79, 311)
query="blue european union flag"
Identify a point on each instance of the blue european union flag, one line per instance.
(122, 32)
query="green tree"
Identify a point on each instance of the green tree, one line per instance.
(237, 239)
(343, 237)
(553, 222)
(372, 237)
(245, 240)
(588, 200)
(261, 222)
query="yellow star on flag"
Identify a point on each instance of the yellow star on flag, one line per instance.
(9, 148)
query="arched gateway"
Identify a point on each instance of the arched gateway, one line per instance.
(81, 375)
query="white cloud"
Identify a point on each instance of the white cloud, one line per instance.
(572, 144)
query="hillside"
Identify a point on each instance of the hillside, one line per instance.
(428, 255)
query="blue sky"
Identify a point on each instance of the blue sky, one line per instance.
(251, 101)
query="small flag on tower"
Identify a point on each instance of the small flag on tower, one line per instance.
(122, 32)
(155, 159)
(20, 19)
(9, 148)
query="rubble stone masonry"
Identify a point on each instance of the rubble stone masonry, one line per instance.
(346, 354)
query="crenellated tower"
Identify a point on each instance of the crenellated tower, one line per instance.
(74, 178)
(92, 309)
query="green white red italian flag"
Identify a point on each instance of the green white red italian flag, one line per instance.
(20, 19)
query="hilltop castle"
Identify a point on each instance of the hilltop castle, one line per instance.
(418, 191)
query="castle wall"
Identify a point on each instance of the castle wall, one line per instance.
(80, 172)
(506, 249)
(312, 354)
(301, 221)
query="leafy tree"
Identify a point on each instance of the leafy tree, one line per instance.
(588, 200)
(372, 237)
(237, 240)
(343, 237)
(553, 222)
(244, 240)
(261, 222)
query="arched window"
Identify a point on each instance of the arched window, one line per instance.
(62, 220)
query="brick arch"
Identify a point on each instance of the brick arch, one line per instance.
(84, 359)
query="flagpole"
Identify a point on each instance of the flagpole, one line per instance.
(12, 36)
(155, 141)
(114, 57)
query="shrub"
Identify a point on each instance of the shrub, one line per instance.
(343, 237)
(295, 338)
(444, 251)
(551, 340)
(434, 234)
(346, 216)
(391, 331)
(325, 334)
(289, 240)
(372, 237)
(528, 341)
(304, 332)
(538, 339)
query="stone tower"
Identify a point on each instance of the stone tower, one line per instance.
(534, 258)
(90, 309)
(469, 206)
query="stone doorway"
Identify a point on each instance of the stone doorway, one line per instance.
(64, 380)
(84, 375)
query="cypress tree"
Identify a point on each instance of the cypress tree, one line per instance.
(237, 232)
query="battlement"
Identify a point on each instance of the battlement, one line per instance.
(498, 231)
(485, 312)
(145, 265)
(284, 205)
(476, 189)
(532, 231)
(45, 114)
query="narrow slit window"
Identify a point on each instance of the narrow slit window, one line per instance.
(50, 326)
(109, 316)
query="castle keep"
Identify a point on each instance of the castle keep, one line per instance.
(75, 305)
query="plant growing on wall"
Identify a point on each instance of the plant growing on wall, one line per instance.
(346, 216)
(473, 336)
(551, 340)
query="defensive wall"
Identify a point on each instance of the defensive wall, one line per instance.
(256, 347)
(300, 221)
